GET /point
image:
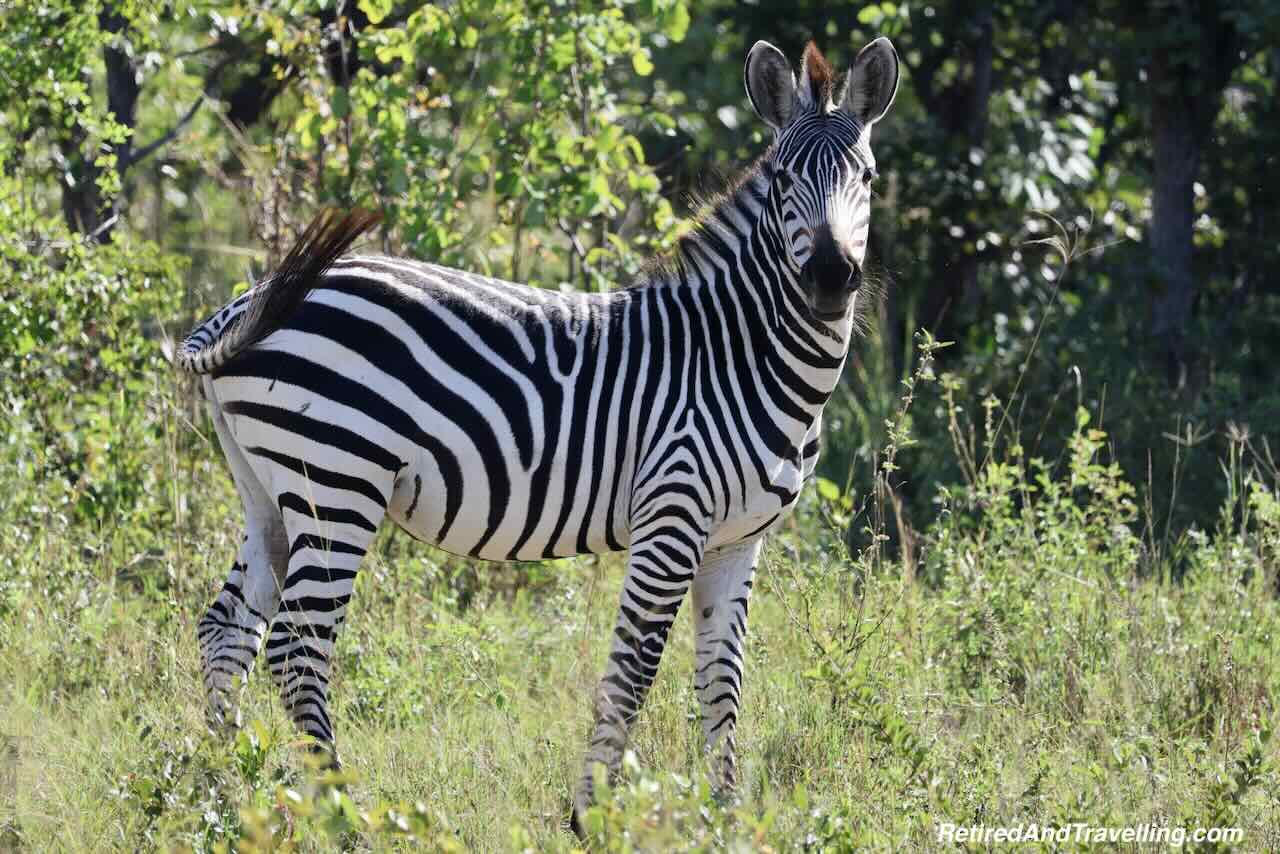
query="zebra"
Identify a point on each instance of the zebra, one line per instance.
(676, 419)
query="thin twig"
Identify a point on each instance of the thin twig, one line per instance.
(150, 148)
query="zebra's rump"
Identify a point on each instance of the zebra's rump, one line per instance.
(245, 321)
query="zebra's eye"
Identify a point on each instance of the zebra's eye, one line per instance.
(784, 180)
(868, 175)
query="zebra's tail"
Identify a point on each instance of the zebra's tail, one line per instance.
(220, 339)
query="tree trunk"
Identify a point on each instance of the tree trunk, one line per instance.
(82, 204)
(1188, 75)
(122, 84)
(1177, 155)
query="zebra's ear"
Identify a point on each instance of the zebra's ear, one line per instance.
(770, 85)
(872, 82)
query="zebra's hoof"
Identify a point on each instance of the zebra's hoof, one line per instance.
(221, 716)
(575, 824)
(322, 756)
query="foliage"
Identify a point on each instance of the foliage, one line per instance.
(1008, 112)
(48, 101)
(556, 143)
(874, 708)
(81, 370)
(491, 136)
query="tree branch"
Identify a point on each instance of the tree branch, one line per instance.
(150, 148)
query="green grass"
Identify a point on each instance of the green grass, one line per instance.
(1035, 664)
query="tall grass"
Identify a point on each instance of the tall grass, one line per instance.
(1024, 663)
(1044, 646)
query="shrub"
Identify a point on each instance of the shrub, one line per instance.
(86, 385)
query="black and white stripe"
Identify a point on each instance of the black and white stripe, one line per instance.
(677, 419)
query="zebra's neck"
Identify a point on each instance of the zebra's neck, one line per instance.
(738, 257)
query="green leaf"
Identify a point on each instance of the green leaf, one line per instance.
(677, 23)
(507, 183)
(377, 10)
(641, 63)
(563, 52)
(643, 182)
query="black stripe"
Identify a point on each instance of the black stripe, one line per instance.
(336, 515)
(333, 435)
(321, 476)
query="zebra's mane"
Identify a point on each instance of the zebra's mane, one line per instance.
(710, 224)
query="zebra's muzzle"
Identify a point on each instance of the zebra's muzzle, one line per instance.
(831, 277)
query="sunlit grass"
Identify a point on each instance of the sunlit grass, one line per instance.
(1035, 677)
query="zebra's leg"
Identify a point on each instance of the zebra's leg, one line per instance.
(721, 590)
(328, 533)
(232, 629)
(664, 556)
(231, 633)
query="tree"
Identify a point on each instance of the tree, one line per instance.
(1174, 59)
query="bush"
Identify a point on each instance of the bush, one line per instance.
(86, 388)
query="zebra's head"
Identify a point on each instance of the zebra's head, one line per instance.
(820, 169)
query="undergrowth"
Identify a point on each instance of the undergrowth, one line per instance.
(1047, 650)
(1034, 657)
